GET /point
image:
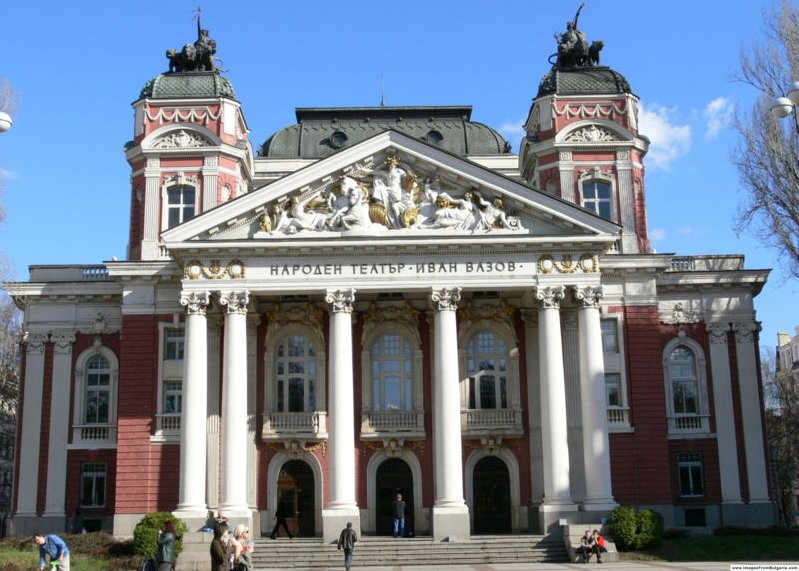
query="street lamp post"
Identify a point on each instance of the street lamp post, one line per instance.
(5, 121)
(784, 106)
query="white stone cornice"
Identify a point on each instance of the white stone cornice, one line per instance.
(340, 300)
(445, 299)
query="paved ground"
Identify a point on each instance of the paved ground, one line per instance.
(642, 565)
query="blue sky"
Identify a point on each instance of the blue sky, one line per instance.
(77, 66)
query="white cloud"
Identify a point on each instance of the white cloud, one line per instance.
(513, 132)
(668, 141)
(719, 113)
(6, 174)
(686, 231)
(657, 234)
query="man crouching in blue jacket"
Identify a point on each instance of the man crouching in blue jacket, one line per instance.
(55, 547)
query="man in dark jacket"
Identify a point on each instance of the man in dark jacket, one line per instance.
(282, 512)
(346, 541)
(399, 517)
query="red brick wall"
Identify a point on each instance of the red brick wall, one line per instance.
(75, 458)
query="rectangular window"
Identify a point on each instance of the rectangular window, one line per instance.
(92, 484)
(173, 344)
(691, 469)
(613, 389)
(173, 397)
(610, 335)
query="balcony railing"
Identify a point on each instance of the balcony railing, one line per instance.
(167, 422)
(492, 420)
(380, 424)
(283, 425)
(689, 424)
(618, 417)
(94, 434)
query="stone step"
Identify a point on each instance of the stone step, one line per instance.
(380, 551)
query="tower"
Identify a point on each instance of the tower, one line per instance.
(582, 140)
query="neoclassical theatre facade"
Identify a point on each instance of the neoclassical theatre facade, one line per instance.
(387, 299)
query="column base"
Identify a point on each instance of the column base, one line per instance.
(598, 505)
(334, 520)
(451, 521)
(551, 512)
(28, 524)
(186, 512)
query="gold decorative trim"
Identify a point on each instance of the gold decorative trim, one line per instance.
(587, 263)
(194, 270)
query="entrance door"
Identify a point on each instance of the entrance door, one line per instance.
(295, 486)
(393, 477)
(491, 497)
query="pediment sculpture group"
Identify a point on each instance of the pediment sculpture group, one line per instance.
(389, 197)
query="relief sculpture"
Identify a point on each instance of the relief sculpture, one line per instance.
(371, 200)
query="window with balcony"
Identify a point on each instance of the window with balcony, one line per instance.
(92, 484)
(94, 420)
(487, 366)
(691, 469)
(295, 374)
(392, 373)
(685, 387)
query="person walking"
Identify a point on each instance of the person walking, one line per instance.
(283, 511)
(53, 547)
(219, 558)
(399, 516)
(346, 541)
(165, 552)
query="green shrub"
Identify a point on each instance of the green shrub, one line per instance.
(632, 531)
(146, 532)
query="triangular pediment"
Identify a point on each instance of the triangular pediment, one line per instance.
(391, 187)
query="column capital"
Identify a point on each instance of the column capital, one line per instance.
(340, 300)
(745, 330)
(35, 342)
(195, 302)
(549, 297)
(235, 301)
(62, 341)
(445, 298)
(588, 296)
(717, 332)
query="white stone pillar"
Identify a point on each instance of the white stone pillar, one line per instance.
(553, 399)
(724, 414)
(30, 435)
(191, 498)
(152, 206)
(450, 513)
(252, 451)
(751, 411)
(59, 423)
(593, 405)
(214, 408)
(210, 174)
(340, 507)
(234, 405)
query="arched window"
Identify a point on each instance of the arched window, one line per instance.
(392, 373)
(180, 205)
(686, 387)
(486, 367)
(295, 374)
(596, 197)
(97, 397)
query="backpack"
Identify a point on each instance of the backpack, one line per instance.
(147, 565)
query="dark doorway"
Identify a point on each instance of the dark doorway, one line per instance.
(393, 477)
(491, 497)
(295, 486)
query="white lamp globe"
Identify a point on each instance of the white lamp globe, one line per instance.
(5, 122)
(793, 93)
(782, 107)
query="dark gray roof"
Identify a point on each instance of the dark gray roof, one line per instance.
(321, 132)
(583, 81)
(183, 84)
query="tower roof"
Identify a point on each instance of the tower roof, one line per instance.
(321, 132)
(186, 84)
(583, 81)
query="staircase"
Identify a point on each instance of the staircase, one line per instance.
(383, 551)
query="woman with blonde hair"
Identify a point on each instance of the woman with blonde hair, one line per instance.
(242, 548)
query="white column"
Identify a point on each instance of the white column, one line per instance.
(191, 499)
(234, 405)
(59, 423)
(530, 318)
(593, 406)
(341, 404)
(152, 205)
(724, 415)
(751, 411)
(553, 398)
(450, 513)
(252, 451)
(214, 408)
(31, 425)
(210, 174)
